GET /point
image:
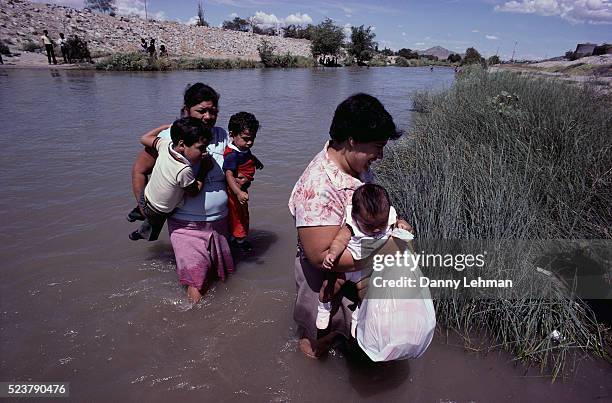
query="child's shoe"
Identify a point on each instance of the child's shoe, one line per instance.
(323, 315)
(135, 215)
(135, 236)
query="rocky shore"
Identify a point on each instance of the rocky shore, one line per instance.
(22, 22)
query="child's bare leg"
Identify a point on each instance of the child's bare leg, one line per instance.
(193, 294)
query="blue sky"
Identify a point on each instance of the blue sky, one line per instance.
(541, 28)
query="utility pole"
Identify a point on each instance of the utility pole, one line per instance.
(146, 15)
(513, 51)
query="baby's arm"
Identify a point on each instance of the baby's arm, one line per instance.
(196, 187)
(337, 246)
(148, 140)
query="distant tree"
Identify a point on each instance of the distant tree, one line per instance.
(298, 32)
(570, 55)
(493, 60)
(402, 62)
(429, 57)
(362, 44)
(237, 24)
(407, 54)
(471, 56)
(454, 58)
(327, 38)
(105, 6)
(266, 53)
(264, 31)
(386, 52)
(201, 22)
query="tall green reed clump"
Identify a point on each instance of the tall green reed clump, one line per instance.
(507, 157)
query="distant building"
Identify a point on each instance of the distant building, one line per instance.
(605, 49)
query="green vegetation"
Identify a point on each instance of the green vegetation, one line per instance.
(327, 39)
(270, 59)
(362, 43)
(139, 61)
(31, 46)
(472, 56)
(4, 49)
(237, 24)
(105, 6)
(506, 157)
(493, 60)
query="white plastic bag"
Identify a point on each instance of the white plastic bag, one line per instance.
(396, 323)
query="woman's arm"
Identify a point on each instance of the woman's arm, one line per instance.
(337, 246)
(316, 242)
(143, 165)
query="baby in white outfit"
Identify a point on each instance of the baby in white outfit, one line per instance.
(368, 224)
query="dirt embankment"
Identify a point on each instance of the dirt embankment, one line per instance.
(22, 22)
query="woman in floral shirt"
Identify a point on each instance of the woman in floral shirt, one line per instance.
(359, 131)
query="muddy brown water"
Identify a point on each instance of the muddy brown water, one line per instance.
(81, 303)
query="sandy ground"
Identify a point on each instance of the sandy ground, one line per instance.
(38, 60)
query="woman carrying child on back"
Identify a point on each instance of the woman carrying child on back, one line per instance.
(173, 174)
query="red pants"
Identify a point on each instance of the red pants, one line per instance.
(238, 216)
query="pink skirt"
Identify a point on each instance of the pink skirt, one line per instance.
(200, 246)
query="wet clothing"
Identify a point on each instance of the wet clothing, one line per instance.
(239, 162)
(319, 198)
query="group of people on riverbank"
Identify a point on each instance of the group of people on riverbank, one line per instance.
(72, 49)
(150, 49)
(332, 204)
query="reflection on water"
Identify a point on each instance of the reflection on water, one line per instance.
(80, 302)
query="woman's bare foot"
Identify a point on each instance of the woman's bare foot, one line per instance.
(306, 348)
(193, 294)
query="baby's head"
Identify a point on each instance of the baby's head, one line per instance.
(190, 137)
(243, 128)
(371, 207)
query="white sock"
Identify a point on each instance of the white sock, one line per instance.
(323, 315)
(354, 321)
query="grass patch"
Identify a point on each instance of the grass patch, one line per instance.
(139, 61)
(506, 157)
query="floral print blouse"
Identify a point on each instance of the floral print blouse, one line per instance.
(323, 191)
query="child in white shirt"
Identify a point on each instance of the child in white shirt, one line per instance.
(172, 175)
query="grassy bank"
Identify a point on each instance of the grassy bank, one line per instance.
(505, 157)
(138, 61)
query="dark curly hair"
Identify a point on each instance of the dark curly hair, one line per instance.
(189, 130)
(243, 120)
(200, 92)
(370, 201)
(363, 118)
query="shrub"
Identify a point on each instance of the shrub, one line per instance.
(501, 156)
(4, 49)
(31, 46)
(266, 53)
(402, 62)
(77, 49)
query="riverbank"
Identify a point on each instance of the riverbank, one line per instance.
(593, 70)
(22, 22)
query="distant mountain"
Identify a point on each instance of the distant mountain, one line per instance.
(438, 51)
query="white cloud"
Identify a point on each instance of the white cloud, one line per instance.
(262, 18)
(574, 11)
(475, 31)
(347, 30)
(193, 20)
(269, 20)
(298, 19)
(403, 34)
(491, 37)
(233, 15)
(419, 44)
(124, 7)
(373, 28)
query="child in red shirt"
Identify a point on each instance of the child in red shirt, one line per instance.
(239, 166)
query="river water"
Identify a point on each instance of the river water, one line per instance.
(82, 303)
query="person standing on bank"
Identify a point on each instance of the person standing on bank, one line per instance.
(48, 46)
(63, 47)
(360, 129)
